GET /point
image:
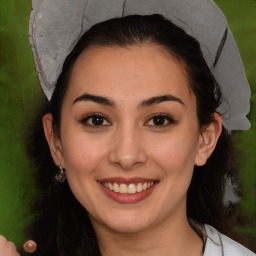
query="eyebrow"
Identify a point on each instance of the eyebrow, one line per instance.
(145, 103)
(159, 99)
(95, 98)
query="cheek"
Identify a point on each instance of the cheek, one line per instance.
(83, 157)
(82, 154)
(175, 157)
(175, 153)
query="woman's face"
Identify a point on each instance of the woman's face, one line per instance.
(129, 136)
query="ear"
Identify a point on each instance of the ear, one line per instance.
(53, 140)
(208, 139)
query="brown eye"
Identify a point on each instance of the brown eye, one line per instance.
(160, 120)
(95, 120)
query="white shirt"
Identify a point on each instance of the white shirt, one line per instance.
(218, 244)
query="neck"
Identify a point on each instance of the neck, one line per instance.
(165, 239)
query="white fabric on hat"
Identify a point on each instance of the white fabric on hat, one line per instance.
(55, 27)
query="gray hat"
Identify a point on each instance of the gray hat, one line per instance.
(56, 25)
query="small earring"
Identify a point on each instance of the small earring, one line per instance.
(61, 175)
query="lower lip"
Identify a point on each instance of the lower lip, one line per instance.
(127, 198)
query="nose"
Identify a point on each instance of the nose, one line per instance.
(127, 151)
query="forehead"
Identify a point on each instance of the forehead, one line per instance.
(128, 73)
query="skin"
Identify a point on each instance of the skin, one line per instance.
(7, 248)
(128, 144)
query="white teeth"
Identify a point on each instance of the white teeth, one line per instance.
(123, 188)
(145, 186)
(139, 187)
(128, 188)
(116, 187)
(110, 186)
(131, 189)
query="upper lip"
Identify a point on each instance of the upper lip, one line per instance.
(122, 180)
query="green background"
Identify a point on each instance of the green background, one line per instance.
(20, 94)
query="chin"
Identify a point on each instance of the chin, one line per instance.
(124, 222)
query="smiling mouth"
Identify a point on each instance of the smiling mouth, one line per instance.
(131, 188)
(128, 191)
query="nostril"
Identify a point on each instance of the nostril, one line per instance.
(127, 162)
(127, 150)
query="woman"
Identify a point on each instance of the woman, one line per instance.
(134, 125)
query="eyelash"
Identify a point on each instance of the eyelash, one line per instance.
(166, 118)
(88, 120)
(92, 116)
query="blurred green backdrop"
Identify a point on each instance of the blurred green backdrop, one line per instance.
(20, 94)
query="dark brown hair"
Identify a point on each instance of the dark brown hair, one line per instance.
(61, 226)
